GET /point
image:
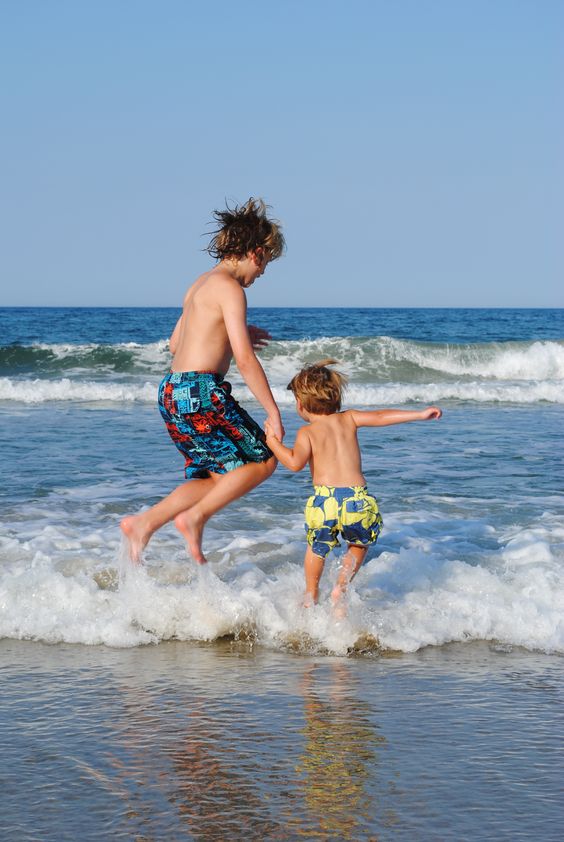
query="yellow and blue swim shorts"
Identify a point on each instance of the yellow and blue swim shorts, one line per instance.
(350, 511)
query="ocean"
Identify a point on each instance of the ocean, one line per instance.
(165, 695)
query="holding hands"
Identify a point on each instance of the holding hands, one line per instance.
(273, 429)
(269, 432)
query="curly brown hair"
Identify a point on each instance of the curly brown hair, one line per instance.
(246, 228)
(319, 389)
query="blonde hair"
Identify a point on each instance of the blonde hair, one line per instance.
(246, 228)
(318, 388)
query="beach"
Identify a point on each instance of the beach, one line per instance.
(169, 701)
(227, 741)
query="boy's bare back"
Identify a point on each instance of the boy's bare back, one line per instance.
(335, 455)
(200, 341)
(329, 441)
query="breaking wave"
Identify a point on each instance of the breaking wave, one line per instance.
(382, 370)
(96, 358)
(380, 357)
(61, 587)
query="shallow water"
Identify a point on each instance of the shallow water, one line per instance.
(472, 546)
(231, 741)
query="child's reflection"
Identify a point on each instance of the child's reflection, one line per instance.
(205, 770)
(340, 751)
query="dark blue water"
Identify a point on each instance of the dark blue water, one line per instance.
(28, 325)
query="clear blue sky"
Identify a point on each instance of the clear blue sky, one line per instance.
(413, 149)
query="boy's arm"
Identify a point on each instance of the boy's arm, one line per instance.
(386, 417)
(234, 308)
(173, 341)
(294, 458)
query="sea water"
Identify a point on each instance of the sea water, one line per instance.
(431, 710)
(473, 542)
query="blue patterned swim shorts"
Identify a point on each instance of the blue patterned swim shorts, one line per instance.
(211, 430)
(350, 511)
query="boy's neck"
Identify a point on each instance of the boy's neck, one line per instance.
(240, 270)
(310, 417)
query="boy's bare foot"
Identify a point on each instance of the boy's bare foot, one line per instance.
(337, 594)
(136, 535)
(338, 602)
(309, 600)
(340, 611)
(192, 527)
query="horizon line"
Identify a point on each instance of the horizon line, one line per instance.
(272, 307)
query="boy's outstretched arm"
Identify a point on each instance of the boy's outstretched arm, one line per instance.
(294, 458)
(386, 417)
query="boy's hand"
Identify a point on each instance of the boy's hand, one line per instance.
(431, 412)
(274, 429)
(259, 337)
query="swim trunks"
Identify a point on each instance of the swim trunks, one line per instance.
(350, 511)
(211, 430)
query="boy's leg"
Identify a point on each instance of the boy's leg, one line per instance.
(139, 528)
(350, 566)
(313, 568)
(225, 489)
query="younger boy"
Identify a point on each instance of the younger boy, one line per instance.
(340, 502)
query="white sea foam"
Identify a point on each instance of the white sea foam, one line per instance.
(58, 586)
(39, 391)
(499, 361)
(151, 351)
(42, 390)
(473, 391)
(386, 357)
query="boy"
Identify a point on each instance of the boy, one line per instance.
(340, 503)
(224, 448)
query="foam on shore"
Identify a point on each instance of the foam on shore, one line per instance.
(60, 586)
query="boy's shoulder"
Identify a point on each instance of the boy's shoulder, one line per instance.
(343, 416)
(215, 283)
(335, 419)
(225, 284)
(349, 416)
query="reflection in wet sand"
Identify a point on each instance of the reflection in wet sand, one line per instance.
(339, 754)
(180, 751)
(224, 743)
(215, 785)
(230, 769)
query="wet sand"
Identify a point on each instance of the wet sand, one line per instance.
(230, 741)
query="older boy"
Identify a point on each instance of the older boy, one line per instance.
(224, 449)
(340, 503)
